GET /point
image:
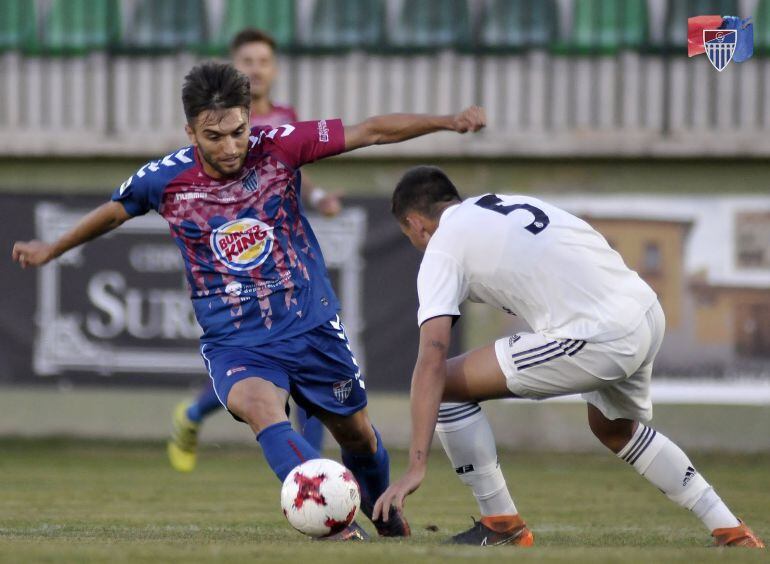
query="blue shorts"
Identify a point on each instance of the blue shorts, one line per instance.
(317, 368)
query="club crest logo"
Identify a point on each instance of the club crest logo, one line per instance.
(720, 46)
(342, 390)
(251, 182)
(242, 244)
(721, 38)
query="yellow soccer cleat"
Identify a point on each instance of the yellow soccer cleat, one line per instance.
(183, 445)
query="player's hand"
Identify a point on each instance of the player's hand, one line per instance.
(329, 205)
(397, 492)
(471, 119)
(32, 253)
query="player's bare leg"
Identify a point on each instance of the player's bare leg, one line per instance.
(475, 376)
(364, 454)
(353, 432)
(614, 434)
(258, 402)
(668, 468)
(467, 439)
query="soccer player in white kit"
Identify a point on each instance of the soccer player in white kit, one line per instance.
(596, 328)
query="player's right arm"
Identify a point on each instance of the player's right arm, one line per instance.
(136, 196)
(441, 287)
(98, 222)
(428, 382)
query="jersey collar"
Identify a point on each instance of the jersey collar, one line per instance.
(449, 211)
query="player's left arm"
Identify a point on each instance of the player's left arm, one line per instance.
(428, 381)
(394, 128)
(313, 196)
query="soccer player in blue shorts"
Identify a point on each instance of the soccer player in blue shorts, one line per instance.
(257, 277)
(253, 53)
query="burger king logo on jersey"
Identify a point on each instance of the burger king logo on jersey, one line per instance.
(242, 244)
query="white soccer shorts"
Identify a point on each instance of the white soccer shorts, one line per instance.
(614, 376)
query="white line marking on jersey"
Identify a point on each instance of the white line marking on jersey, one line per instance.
(180, 156)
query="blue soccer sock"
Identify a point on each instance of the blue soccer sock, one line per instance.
(204, 405)
(372, 471)
(311, 428)
(284, 448)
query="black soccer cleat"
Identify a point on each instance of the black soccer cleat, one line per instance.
(396, 526)
(511, 531)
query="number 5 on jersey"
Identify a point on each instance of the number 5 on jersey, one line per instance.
(495, 204)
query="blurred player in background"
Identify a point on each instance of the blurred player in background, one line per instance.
(253, 54)
(597, 327)
(257, 277)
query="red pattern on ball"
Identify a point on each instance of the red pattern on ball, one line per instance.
(308, 489)
(336, 526)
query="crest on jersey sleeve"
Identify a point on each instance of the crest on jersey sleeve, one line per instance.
(720, 46)
(242, 244)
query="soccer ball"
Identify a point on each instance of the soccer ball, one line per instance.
(320, 497)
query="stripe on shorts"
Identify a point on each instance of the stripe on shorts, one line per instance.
(577, 349)
(554, 347)
(568, 347)
(522, 353)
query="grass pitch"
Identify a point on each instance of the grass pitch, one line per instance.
(89, 501)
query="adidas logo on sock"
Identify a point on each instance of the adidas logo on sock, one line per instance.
(688, 475)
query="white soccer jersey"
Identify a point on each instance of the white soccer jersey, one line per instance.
(524, 256)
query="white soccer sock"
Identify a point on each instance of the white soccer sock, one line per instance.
(468, 441)
(664, 464)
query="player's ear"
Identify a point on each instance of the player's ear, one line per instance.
(420, 223)
(412, 221)
(190, 133)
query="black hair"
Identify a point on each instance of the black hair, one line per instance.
(423, 189)
(251, 35)
(214, 86)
